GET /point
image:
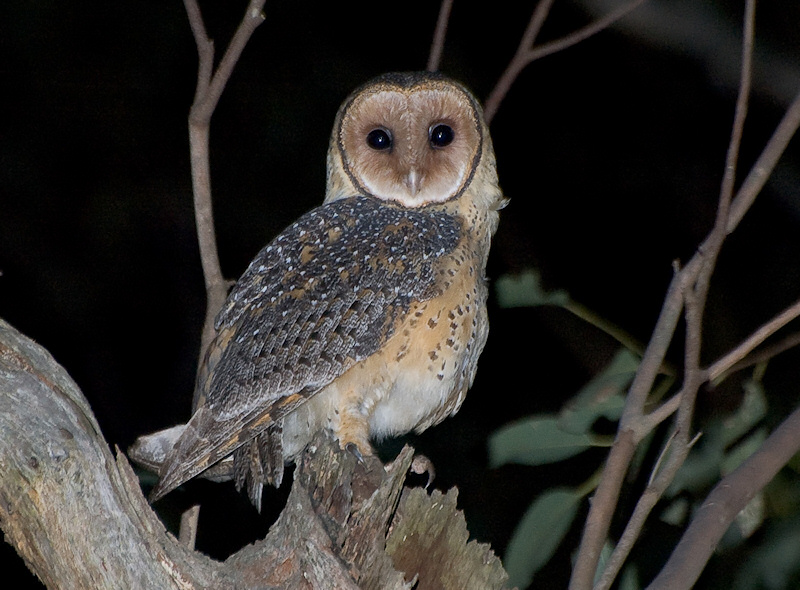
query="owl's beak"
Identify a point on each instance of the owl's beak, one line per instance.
(413, 181)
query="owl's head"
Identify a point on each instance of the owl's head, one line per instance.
(413, 138)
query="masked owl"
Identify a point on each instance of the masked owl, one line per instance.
(366, 317)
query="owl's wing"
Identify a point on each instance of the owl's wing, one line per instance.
(324, 295)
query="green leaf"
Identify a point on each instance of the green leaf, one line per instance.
(536, 441)
(603, 396)
(775, 562)
(605, 555)
(701, 468)
(629, 579)
(676, 512)
(743, 450)
(525, 290)
(752, 409)
(539, 533)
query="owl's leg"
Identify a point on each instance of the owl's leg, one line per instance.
(352, 412)
(353, 432)
(354, 396)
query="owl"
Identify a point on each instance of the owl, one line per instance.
(365, 317)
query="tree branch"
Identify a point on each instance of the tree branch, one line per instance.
(727, 362)
(72, 511)
(764, 355)
(77, 516)
(726, 500)
(210, 85)
(527, 53)
(761, 170)
(688, 291)
(437, 46)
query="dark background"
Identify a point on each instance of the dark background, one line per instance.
(611, 153)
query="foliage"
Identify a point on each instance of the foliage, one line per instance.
(725, 442)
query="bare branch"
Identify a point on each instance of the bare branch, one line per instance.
(526, 52)
(688, 291)
(660, 480)
(723, 365)
(518, 62)
(210, 85)
(661, 413)
(583, 33)
(435, 56)
(209, 92)
(764, 355)
(765, 164)
(696, 296)
(603, 506)
(738, 358)
(726, 500)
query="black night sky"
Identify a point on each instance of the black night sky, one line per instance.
(611, 153)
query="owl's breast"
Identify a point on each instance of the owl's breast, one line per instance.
(431, 360)
(421, 371)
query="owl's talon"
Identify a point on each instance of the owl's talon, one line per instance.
(353, 449)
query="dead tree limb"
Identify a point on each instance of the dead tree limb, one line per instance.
(75, 512)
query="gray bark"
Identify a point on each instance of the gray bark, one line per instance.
(74, 510)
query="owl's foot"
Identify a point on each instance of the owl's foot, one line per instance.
(421, 465)
(353, 434)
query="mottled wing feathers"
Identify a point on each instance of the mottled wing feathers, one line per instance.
(325, 294)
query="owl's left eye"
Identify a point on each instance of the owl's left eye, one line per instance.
(441, 136)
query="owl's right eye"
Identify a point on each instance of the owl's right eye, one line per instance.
(379, 139)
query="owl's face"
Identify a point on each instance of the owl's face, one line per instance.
(411, 138)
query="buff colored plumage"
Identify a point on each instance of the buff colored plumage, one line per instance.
(366, 316)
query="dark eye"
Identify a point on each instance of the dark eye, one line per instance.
(441, 136)
(379, 139)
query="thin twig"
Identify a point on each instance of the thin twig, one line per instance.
(659, 482)
(604, 501)
(725, 363)
(583, 33)
(526, 52)
(697, 296)
(709, 250)
(661, 413)
(764, 355)
(203, 108)
(519, 61)
(761, 170)
(737, 359)
(437, 46)
(210, 85)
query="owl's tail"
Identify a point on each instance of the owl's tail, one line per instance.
(205, 441)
